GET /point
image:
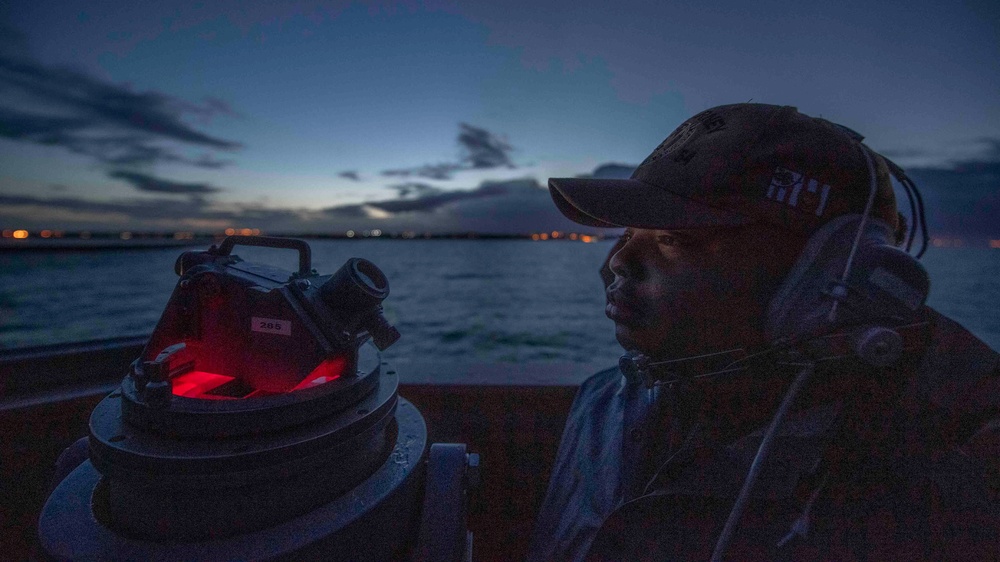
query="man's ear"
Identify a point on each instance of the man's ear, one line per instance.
(885, 284)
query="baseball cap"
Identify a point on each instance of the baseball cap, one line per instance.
(738, 164)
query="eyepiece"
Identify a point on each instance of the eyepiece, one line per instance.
(370, 276)
(358, 289)
(357, 285)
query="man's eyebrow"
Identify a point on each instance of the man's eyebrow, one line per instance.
(710, 232)
(687, 233)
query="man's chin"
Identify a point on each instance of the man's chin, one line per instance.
(626, 338)
(647, 342)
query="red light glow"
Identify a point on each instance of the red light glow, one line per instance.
(200, 384)
(327, 371)
(196, 384)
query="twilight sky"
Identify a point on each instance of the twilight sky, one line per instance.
(448, 116)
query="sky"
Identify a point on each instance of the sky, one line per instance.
(444, 116)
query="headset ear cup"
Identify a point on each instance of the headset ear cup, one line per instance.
(888, 284)
(801, 306)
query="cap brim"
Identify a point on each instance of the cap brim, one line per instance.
(615, 203)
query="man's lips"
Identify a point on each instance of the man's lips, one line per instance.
(620, 310)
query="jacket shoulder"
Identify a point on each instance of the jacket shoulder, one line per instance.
(958, 371)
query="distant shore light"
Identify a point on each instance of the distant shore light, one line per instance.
(20, 234)
(947, 242)
(350, 234)
(126, 235)
(46, 233)
(230, 231)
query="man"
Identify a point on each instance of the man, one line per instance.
(787, 394)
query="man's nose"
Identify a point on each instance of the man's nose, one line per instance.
(622, 262)
(608, 276)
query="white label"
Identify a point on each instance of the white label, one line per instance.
(812, 198)
(271, 326)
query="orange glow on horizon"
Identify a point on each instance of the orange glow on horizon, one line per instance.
(947, 242)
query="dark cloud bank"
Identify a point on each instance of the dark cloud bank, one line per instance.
(108, 122)
(148, 183)
(479, 150)
(963, 200)
(511, 207)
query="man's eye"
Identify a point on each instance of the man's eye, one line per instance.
(668, 240)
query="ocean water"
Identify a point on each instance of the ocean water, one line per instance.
(490, 301)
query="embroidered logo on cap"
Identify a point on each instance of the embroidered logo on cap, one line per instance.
(787, 187)
(710, 120)
(676, 140)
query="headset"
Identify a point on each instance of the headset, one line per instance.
(850, 273)
(851, 294)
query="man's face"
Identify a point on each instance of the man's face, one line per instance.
(677, 293)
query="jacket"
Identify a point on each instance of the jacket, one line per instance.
(900, 463)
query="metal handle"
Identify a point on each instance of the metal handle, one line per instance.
(305, 253)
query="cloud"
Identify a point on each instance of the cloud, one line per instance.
(350, 174)
(612, 171)
(479, 149)
(415, 189)
(506, 207)
(148, 183)
(963, 199)
(108, 122)
(482, 150)
(431, 171)
(992, 145)
(905, 153)
(146, 213)
(434, 200)
(982, 149)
